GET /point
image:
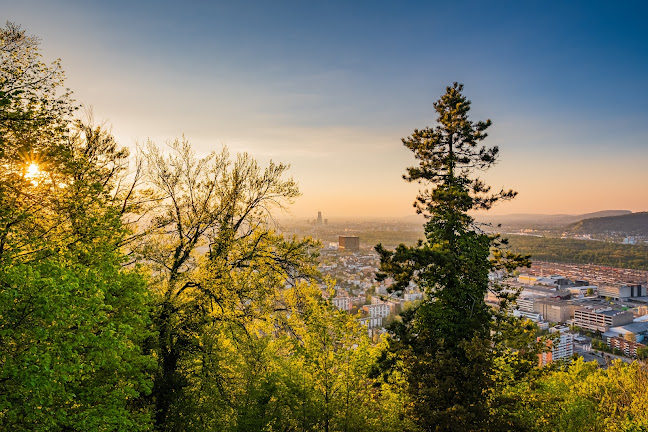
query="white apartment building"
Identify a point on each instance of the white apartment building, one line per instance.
(377, 310)
(563, 348)
(525, 303)
(342, 303)
(371, 322)
(413, 296)
(533, 316)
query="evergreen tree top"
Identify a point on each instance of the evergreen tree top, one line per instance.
(450, 152)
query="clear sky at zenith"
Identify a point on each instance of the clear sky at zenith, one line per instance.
(332, 86)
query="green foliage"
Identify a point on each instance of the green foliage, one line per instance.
(71, 319)
(582, 397)
(71, 356)
(642, 353)
(581, 251)
(633, 224)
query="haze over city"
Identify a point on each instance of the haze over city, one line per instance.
(332, 87)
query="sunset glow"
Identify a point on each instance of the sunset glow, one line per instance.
(335, 101)
(33, 172)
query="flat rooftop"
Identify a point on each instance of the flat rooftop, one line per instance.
(610, 312)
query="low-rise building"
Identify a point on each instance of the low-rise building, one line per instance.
(581, 291)
(413, 296)
(557, 311)
(555, 281)
(628, 347)
(622, 291)
(635, 331)
(601, 319)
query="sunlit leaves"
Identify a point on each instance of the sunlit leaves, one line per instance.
(584, 397)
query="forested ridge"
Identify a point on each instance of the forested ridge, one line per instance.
(634, 224)
(149, 291)
(574, 251)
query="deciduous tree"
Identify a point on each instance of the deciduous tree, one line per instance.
(215, 257)
(71, 319)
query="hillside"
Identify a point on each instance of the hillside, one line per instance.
(634, 224)
(543, 221)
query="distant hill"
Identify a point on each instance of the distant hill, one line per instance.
(634, 224)
(544, 221)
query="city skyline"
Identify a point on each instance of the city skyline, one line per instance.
(332, 88)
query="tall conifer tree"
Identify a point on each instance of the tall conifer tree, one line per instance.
(445, 341)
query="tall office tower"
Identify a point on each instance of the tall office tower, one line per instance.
(319, 218)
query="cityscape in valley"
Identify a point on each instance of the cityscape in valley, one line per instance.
(600, 312)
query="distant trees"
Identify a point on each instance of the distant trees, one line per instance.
(582, 251)
(445, 342)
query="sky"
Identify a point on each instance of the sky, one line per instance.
(331, 88)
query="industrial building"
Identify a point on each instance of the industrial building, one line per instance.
(601, 319)
(621, 292)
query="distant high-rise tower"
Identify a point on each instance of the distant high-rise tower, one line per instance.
(319, 218)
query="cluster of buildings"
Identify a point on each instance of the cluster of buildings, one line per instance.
(604, 302)
(614, 308)
(357, 290)
(595, 274)
(612, 305)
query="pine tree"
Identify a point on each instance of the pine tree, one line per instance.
(445, 341)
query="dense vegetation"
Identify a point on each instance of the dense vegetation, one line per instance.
(581, 251)
(150, 292)
(549, 222)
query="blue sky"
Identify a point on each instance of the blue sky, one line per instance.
(331, 87)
